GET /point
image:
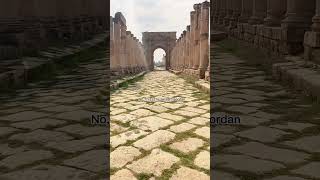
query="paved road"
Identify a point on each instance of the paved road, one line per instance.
(45, 131)
(278, 138)
(160, 129)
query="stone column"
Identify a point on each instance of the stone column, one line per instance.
(316, 18)
(128, 51)
(29, 24)
(172, 58)
(275, 12)
(192, 30)
(116, 57)
(184, 47)
(64, 20)
(236, 11)
(9, 18)
(179, 53)
(246, 11)
(223, 11)
(204, 39)
(47, 10)
(298, 20)
(133, 53)
(112, 65)
(229, 12)
(123, 28)
(197, 7)
(312, 38)
(216, 11)
(259, 11)
(188, 65)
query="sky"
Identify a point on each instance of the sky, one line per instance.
(154, 15)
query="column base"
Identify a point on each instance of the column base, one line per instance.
(312, 46)
(207, 75)
(201, 73)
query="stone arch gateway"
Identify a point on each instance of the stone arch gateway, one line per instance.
(153, 40)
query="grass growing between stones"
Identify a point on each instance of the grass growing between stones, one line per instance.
(143, 176)
(126, 84)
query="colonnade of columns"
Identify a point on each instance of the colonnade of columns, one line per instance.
(278, 26)
(127, 52)
(191, 52)
(27, 26)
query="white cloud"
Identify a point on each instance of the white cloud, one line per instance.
(154, 15)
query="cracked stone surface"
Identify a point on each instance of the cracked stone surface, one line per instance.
(45, 130)
(278, 135)
(164, 130)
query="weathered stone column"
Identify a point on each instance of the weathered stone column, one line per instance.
(121, 27)
(312, 38)
(180, 53)
(47, 11)
(134, 54)
(192, 33)
(216, 11)
(189, 58)
(112, 64)
(135, 51)
(275, 12)
(236, 11)
(33, 36)
(172, 58)
(259, 11)
(222, 11)
(197, 7)
(298, 20)
(229, 12)
(117, 46)
(128, 51)
(10, 43)
(316, 18)
(204, 39)
(175, 63)
(185, 57)
(65, 20)
(246, 11)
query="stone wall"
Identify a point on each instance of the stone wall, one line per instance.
(191, 52)
(280, 27)
(28, 26)
(127, 52)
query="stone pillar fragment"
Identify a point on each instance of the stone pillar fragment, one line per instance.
(298, 20)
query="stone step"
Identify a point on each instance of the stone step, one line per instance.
(304, 76)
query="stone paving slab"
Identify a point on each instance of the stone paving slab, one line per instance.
(46, 132)
(278, 131)
(164, 129)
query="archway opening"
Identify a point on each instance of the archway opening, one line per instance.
(159, 59)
